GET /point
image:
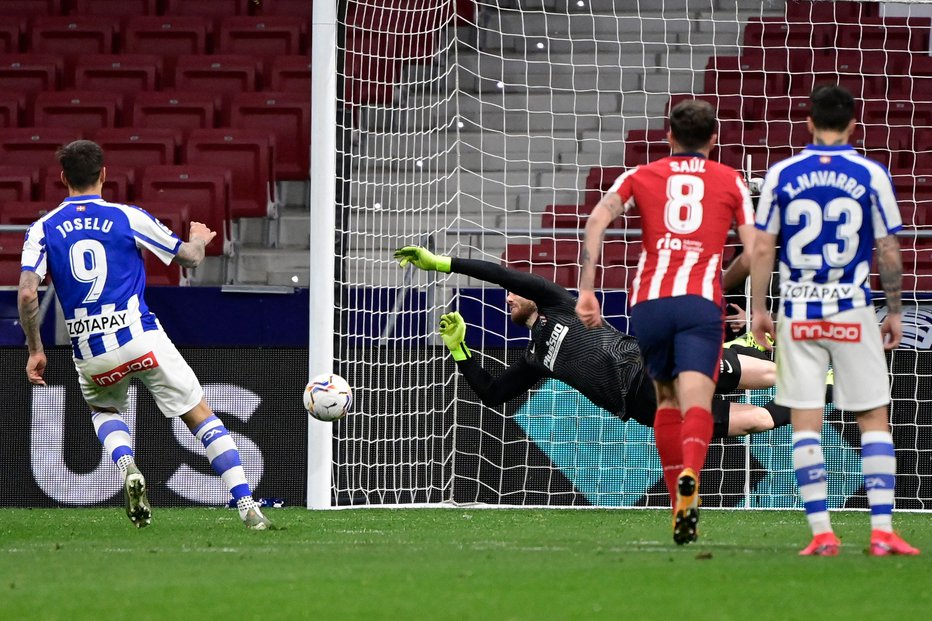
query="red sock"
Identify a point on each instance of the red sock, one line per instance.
(696, 435)
(668, 438)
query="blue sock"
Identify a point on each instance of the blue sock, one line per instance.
(878, 462)
(113, 433)
(224, 459)
(809, 463)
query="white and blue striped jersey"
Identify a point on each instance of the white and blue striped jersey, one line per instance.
(92, 250)
(826, 205)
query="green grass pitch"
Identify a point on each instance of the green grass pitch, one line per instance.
(200, 564)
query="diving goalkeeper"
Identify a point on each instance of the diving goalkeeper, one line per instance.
(603, 364)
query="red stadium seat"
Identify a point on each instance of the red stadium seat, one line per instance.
(206, 191)
(73, 36)
(166, 36)
(291, 8)
(221, 74)
(179, 110)
(11, 32)
(565, 216)
(32, 8)
(248, 154)
(733, 75)
(891, 33)
(11, 105)
(16, 183)
(84, 110)
(114, 8)
(290, 73)
(34, 146)
(261, 37)
(555, 260)
(214, 9)
(285, 115)
(838, 12)
(727, 107)
(645, 145)
(118, 185)
(785, 109)
(125, 74)
(11, 252)
(28, 75)
(23, 212)
(139, 147)
(775, 32)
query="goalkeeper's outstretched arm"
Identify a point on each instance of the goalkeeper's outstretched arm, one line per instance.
(530, 286)
(515, 381)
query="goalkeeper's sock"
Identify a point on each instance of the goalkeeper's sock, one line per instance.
(667, 437)
(779, 413)
(223, 456)
(809, 464)
(696, 435)
(878, 462)
(113, 433)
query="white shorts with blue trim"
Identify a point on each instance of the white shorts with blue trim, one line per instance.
(152, 358)
(852, 342)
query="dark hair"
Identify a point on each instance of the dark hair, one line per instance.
(692, 123)
(81, 162)
(832, 107)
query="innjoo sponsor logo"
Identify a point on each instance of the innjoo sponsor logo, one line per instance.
(111, 377)
(815, 330)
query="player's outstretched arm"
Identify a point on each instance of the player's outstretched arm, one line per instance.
(530, 286)
(764, 253)
(423, 259)
(516, 380)
(890, 266)
(28, 303)
(192, 252)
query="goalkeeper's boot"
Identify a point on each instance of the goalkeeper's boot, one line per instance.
(686, 512)
(134, 493)
(255, 520)
(887, 544)
(823, 544)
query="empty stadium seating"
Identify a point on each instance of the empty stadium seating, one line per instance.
(11, 106)
(166, 36)
(139, 147)
(248, 155)
(82, 110)
(114, 8)
(34, 146)
(23, 212)
(11, 251)
(261, 37)
(175, 216)
(28, 75)
(11, 33)
(16, 183)
(289, 73)
(72, 36)
(225, 74)
(288, 117)
(181, 110)
(206, 191)
(125, 74)
(32, 8)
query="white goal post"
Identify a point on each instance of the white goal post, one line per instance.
(488, 129)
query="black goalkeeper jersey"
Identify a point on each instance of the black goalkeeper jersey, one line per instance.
(602, 363)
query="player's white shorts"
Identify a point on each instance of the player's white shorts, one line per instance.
(152, 358)
(851, 340)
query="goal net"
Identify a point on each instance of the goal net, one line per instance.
(489, 130)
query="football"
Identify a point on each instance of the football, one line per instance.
(328, 397)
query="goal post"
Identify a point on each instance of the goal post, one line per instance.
(488, 129)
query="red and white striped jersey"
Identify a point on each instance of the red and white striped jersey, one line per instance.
(687, 205)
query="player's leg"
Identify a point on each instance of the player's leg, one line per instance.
(178, 392)
(668, 423)
(106, 395)
(862, 387)
(654, 329)
(756, 373)
(801, 367)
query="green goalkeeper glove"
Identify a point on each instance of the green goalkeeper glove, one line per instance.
(423, 259)
(453, 333)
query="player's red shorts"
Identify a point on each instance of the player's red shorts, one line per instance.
(679, 334)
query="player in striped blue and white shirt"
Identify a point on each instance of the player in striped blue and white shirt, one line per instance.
(826, 208)
(92, 250)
